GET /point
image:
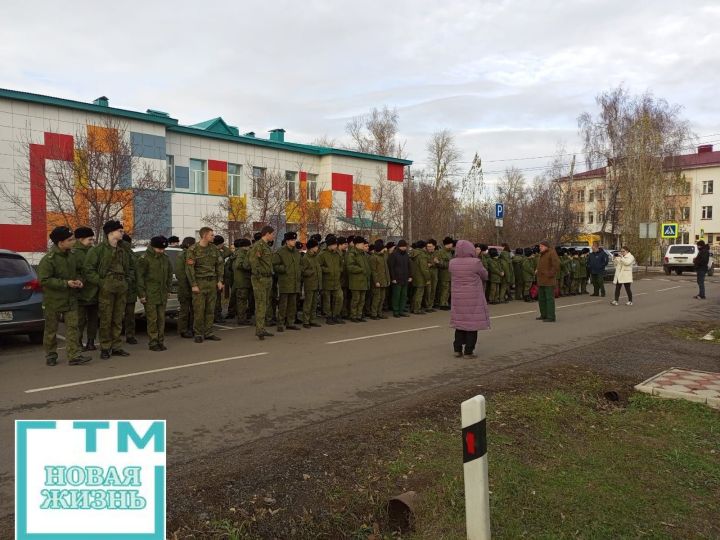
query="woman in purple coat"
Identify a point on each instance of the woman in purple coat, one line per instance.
(468, 312)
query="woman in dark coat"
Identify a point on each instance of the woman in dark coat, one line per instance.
(468, 311)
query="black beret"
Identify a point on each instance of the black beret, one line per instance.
(290, 235)
(242, 242)
(126, 238)
(390, 245)
(402, 243)
(257, 236)
(159, 242)
(420, 244)
(483, 247)
(447, 240)
(218, 240)
(331, 240)
(342, 240)
(351, 239)
(59, 234)
(317, 237)
(527, 251)
(518, 251)
(173, 240)
(379, 245)
(84, 232)
(586, 250)
(360, 240)
(312, 243)
(493, 252)
(433, 242)
(112, 225)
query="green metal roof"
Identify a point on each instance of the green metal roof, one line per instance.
(362, 223)
(216, 128)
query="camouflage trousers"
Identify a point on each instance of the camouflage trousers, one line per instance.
(112, 305)
(204, 306)
(52, 320)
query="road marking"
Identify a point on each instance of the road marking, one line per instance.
(579, 304)
(381, 335)
(669, 288)
(513, 314)
(138, 373)
(223, 327)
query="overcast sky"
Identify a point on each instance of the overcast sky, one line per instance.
(508, 78)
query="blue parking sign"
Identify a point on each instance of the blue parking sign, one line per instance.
(499, 210)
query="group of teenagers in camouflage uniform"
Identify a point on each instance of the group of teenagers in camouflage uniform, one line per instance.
(336, 279)
(93, 288)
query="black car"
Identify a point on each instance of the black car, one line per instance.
(20, 297)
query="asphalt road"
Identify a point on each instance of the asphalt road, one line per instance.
(222, 394)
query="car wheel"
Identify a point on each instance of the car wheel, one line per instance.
(667, 271)
(678, 271)
(36, 338)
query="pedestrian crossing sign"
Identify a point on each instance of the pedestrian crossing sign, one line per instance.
(669, 230)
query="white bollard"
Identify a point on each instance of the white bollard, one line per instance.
(475, 467)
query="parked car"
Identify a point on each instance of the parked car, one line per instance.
(173, 306)
(20, 298)
(679, 258)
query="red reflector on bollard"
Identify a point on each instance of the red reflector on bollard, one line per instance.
(474, 441)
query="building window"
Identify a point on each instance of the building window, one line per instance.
(683, 238)
(707, 212)
(601, 217)
(581, 195)
(670, 214)
(234, 179)
(312, 187)
(685, 213)
(600, 194)
(198, 176)
(258, 182)
(591, 195)
(707, 187)
(590, 217)
(170, 177)
(290, 185)
(709, 238)
(580, 216)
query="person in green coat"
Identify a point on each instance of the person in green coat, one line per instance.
(60, 279)
(132, 296)
(359, 274)
(154, 280)
(286, 265)
(497, 273)
(108, 265)
(528, 272)
(443, 266)
(481, 250)
(184, 292)
(517, 263)
(583, 271)
(576, 274)
(261, 267)
(225, 252)
(242, 280)
(430, 292)
(380, 279)
(331, 264)
(88, 316)
(420, 272)
(508, 274)
(345, 246)
(204, 267)
(311, 276)
(565, 271)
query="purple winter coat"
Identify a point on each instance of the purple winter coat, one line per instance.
(469, 310)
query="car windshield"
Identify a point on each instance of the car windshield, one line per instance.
(13, 266)
(682, 250)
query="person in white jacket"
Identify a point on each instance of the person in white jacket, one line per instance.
(623, 262)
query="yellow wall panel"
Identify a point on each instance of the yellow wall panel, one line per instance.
(237, 208)
(325, 199)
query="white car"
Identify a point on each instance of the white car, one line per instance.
(679, 257)
(173, 306)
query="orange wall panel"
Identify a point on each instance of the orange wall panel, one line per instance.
(217, 183)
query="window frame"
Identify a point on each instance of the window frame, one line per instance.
(311, 187)
(170, 172)
(235, 177)
(194, 173)
(258, 191)
(706, 212)
(708, 184)
(291, 182)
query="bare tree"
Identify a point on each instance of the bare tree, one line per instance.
(638, 138)
(443, 156)
(376, 133)
(103, 181)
